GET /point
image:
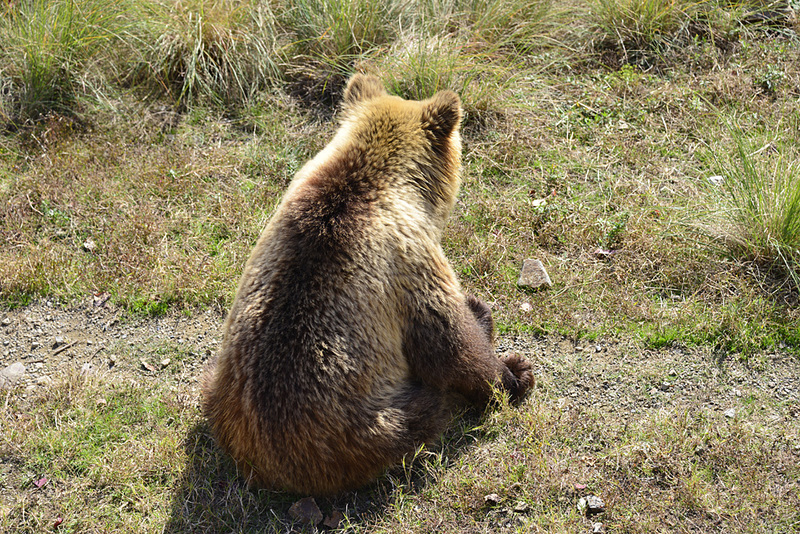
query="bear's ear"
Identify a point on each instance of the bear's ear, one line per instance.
(442, 114)
(361, 88)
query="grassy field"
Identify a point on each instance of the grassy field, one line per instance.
(645, 150)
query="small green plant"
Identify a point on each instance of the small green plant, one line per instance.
(770, 79)
(757, 207)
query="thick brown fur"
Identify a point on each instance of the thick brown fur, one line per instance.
(349, 330)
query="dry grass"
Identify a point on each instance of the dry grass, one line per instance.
(577, 151)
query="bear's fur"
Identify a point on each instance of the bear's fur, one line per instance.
(349, 331)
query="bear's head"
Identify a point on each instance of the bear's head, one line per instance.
(413, 145)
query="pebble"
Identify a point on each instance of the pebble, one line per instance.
(533, 275)
(35, 345)
(11, 374)
(730, 413)
(492, 499)
(306, 511)
(591, 504)
(6, 321)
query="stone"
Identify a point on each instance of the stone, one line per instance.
(306, 512)
(6, 321)
(492, 499)
(44, 380)
(11, 374)
(58, 342)
(521, 507)
(533, 275)
(730, 413)
(591, 504)
(334, 520)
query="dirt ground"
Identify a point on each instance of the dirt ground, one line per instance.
(617, 376)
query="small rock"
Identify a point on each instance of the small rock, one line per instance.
(730, 413)
(58, 342)
(598, 348)
(89, 245)
(597, 528)
(165, 362)
(492, 499)
(44, 380)
(11, 374)
(521, 507)
(88, 369)
(716, 180)
(603, 253)
(147, 366)
(591, 504)
(35, 345)
(334, 520)
(533, 275)
(526, 307)
(306, 511)
(6, 321)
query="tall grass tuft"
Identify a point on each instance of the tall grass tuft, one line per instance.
(506, 24)
(332, 30)
(757, 208)
(48, 45)
(417, 68)
(329, 38)
(639, 27)
(223, 51)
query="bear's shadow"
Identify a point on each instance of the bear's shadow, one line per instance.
(211, 496)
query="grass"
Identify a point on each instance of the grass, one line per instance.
(140, 457)
(756, 207)
(222, 51)
(592, 129)
(48, 52)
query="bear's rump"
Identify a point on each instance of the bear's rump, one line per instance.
(342, 447)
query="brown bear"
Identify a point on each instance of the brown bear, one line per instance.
(349, 332)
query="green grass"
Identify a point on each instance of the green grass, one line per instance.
(170, 133)
(141, 459)
(222, 51)
(756, 207)
(48, 52)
